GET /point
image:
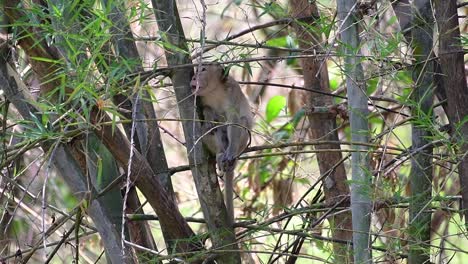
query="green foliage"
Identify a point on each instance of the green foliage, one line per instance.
(464, 40)
(334, 83)
(287, 41)
(372, 85)
(272, 8)
(286, 130)
(274, 107)
(282, 42)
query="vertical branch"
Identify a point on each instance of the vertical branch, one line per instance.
(454, 83)
(358, 117)
(402, 11)
(147, 138)
(7, 171)
(204, 173)
(140, 233)
(421, 163)
(323, 125)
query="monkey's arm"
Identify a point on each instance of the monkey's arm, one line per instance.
(237, 140)
(215, 134)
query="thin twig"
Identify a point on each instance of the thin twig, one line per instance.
(60, 243)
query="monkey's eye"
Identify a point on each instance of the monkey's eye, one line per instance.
(203, 69)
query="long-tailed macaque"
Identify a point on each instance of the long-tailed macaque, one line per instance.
(228, 116)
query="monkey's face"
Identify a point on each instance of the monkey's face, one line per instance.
(207, 78)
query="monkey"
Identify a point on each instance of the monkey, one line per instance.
(223, 103)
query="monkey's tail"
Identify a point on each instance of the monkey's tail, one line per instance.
(229, 195)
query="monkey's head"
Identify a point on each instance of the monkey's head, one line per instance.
(210, 77)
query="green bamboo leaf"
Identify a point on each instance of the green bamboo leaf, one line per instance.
(45, 59)
(274, 107)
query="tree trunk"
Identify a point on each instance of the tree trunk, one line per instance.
(323, 125)
(358, 117)
(454, 83)
(147, 137)
(421, 162)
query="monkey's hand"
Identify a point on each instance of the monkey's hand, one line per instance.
(226, 162)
